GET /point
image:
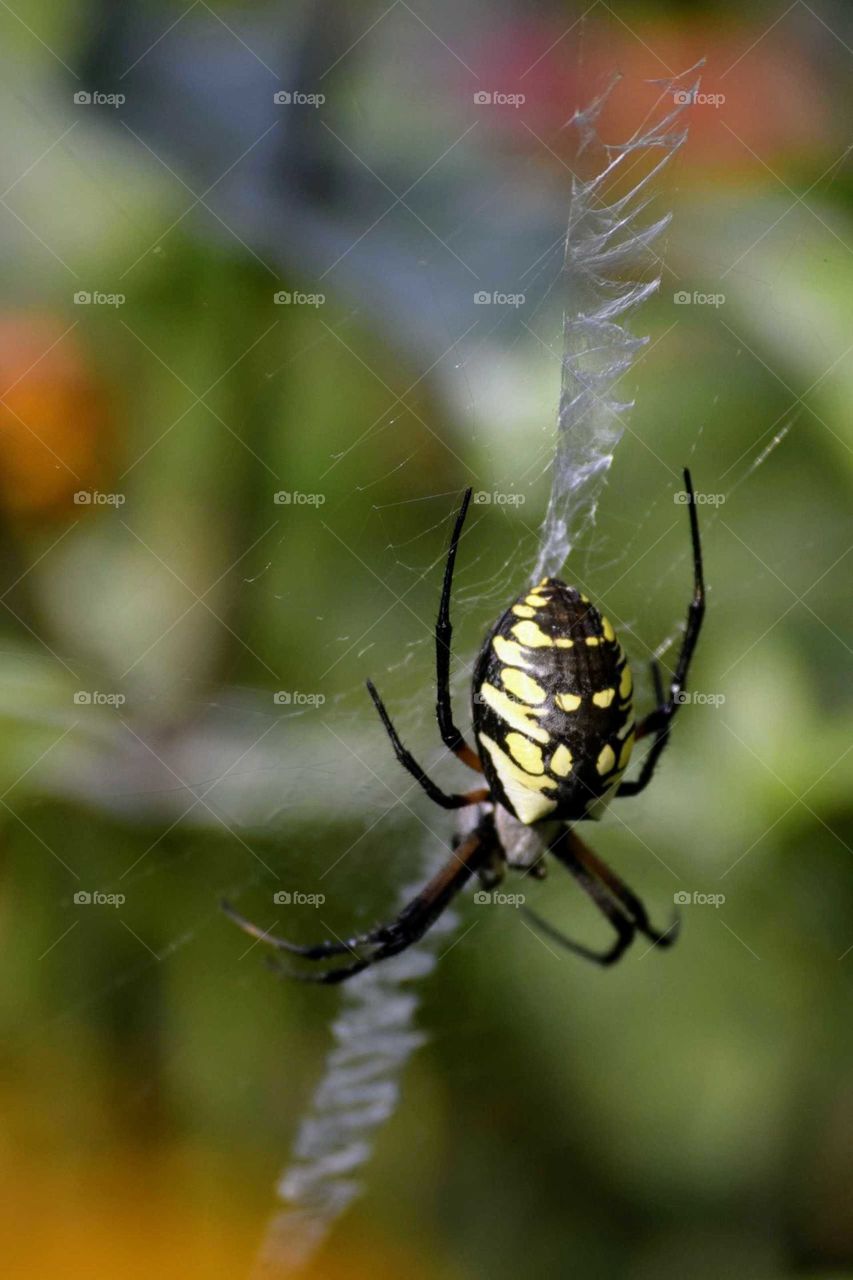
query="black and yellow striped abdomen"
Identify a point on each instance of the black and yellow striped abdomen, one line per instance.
(553, 706)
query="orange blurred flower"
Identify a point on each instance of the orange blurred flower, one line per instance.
(55, 424)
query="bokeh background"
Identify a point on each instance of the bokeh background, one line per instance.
(183, 656)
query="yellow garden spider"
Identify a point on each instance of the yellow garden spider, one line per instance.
(553, 723)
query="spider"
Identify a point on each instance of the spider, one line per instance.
(552, 718)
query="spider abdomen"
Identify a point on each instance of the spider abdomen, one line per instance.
(552, 706)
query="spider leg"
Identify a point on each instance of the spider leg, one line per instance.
(389, 939)
(657, 680)
(455, 801)
(660, 720)
(451, 736)
(647, 725)
(604, 958)
(628, 899)
(612, 897)
(625, 927)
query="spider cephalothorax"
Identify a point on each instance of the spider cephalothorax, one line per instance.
(552, 717)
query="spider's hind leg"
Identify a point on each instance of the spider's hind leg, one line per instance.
(388, 939)
(610, 894)
(626, 898)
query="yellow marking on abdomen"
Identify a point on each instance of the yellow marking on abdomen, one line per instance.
(568, 701)
(607, 629)
(563, 642)
(523, 611)
(525, 753)
(592, 641)
(538, 602)
(523, 792)
(561, 761)
(626, 684)
(604, 697)
(531, 635)
(510, 652)
(627, 748)
(515, 716)
(606, 760)
(522, 686)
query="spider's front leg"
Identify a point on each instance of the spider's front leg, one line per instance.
(451, 736)
(389, 939)
(660, 720)
(454, 800)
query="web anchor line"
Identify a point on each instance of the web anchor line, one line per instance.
(609, 269)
